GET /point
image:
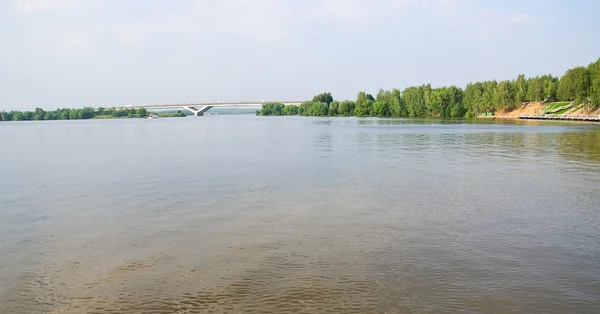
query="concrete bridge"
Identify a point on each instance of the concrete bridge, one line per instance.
(198, 109)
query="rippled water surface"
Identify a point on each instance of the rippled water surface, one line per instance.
(243, 214)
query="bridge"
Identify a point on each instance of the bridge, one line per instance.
(198, 109)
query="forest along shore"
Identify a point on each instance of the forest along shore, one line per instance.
(577, 92)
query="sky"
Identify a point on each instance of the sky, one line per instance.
(76, 53)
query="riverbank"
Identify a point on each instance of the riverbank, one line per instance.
(542, 108)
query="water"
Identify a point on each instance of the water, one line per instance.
(244, 214)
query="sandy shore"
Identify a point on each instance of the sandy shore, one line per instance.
(532, 109)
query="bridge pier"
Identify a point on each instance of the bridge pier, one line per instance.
(198, 111)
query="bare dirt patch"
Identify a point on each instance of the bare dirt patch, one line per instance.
(525, 108)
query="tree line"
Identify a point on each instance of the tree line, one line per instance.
(580, 85)
(77, 114)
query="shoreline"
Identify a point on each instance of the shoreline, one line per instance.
(538, 120)
(547, 111)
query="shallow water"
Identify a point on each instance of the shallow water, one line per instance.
(244, 214)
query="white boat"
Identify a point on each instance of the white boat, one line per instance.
(152, 116)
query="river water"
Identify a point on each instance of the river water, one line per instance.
(244, 214)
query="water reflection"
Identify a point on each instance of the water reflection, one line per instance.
(583, 146)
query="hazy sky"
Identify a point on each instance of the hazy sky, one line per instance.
(75, 53)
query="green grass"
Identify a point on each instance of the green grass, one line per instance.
(563, 111)
(551, 108)
(553, 105)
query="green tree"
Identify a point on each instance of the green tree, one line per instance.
(50, 115)
(487, 98)
(346, 108)
(473, 97)
(437, 101)
(582, 85)
(324, 97)
(566, 87)
(594, 72)
(575, 85)
(550, 87)
(381, 108)
(86, 113)
(303, 108)
(426, 92)
(17, 116)
(141, 112)
(290, 110)
(504, 96)
(455, 102)
(370, 107)
(393, 102)
(272, 109)
(535, 90)
(334, 108)
(397, 108)
(457, 110)
(446, 102)
(413, 98)
(520, 89)
(318, 108)
(39, 114)
(362, 109)
(27, 115)
(360, 99)
(65, 114)
(380, 95)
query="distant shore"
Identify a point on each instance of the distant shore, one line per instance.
(575, 92)
(82, 114)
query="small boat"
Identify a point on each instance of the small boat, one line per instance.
(152, 116)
